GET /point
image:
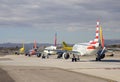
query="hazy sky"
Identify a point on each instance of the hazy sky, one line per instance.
(73, 20)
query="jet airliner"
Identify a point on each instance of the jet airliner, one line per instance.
(90, 48)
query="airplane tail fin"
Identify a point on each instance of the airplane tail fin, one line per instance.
(35, 44)
(55, 39)
(23, 45)
(102, 42)
(22, 49)
(64, 44)
(101, 37)
(97, 34)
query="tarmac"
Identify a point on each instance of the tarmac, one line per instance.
(20, 68)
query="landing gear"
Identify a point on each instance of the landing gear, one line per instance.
(29, 55)
(43, 56)
(74, 59)
(98, 59)
(59, 54)
(48, 55)
(38, 54)
(16, 53)
(26, 54)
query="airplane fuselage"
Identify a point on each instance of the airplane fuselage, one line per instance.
(50, 50)
(85, 49)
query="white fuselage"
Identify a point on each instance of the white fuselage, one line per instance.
(50, 50)
(86, 48)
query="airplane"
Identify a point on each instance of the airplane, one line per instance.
(33, 51)
(51, 50)
(21, 50)
(90, 48)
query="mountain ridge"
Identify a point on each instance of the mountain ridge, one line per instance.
(30, 45)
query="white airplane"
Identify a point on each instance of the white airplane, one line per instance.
(89, 48)
(51, 50)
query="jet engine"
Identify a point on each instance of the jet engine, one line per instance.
(66, 55)
(100, 54)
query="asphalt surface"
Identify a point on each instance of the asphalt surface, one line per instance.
(43, 74)
(5, 77)
(14, 68)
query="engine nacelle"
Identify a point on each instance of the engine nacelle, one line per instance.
(66, 55)
(102, 56)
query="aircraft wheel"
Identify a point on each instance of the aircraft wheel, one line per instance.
(29, 55)
(74, 59)
(66, 55)
(47, 55)
(39, 55)
(98, 59)
(78, 59)
(43, 57)
(59, 56)
(26, 54)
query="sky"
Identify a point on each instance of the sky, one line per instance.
(74, 21)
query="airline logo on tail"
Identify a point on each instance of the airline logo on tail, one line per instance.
(97, 34)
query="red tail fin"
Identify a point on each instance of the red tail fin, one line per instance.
(35, 44)
(55, 39)
(97, 34)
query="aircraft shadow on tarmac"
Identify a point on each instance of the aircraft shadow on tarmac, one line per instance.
(105, 61)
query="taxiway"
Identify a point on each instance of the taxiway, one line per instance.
(33, 69)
